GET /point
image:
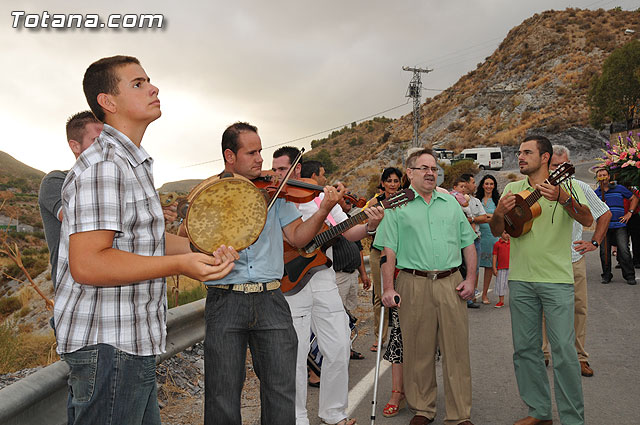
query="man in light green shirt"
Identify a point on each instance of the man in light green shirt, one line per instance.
(541, 279)
(423, 239)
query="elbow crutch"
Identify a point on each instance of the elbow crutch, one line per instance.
(375, 382)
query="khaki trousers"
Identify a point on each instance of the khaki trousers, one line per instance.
(348, 289)
(431, 315)
(580, 317)
(374, 263)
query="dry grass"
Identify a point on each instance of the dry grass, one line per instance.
(24, 350)
(183, 290)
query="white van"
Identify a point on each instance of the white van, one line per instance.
(484, 158)
(444, 155)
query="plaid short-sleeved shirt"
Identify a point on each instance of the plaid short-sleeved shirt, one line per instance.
(111, 187)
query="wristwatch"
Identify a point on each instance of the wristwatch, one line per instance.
(595, 243)
(631, 210)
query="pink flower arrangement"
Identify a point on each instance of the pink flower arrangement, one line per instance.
(622, 159)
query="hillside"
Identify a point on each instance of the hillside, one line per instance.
(15, 174)
(19, 186)
(536, 80)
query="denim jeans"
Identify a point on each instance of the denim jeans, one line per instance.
(262, 321)
(618, 237)
(110, 387)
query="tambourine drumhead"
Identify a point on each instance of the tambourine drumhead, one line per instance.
(225, 211)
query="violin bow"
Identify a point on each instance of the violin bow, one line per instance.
(286, 178)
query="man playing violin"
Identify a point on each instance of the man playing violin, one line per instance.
(246, 308)
(541, 279)
(318, 304)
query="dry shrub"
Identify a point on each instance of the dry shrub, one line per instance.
(20, 351)
(25, 294)
(10, 304)
(540, 81)
(453, 171)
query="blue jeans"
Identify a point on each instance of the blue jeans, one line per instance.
(620, 238)
(110, 387)
(262, 321)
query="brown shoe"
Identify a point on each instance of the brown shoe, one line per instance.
(466, 423)
(533, 421)
(420, 420)
(585, 369)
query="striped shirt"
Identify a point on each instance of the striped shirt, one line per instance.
(110, 187)
(614, 198)
(597, 208)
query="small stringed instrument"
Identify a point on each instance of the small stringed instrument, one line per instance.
(519, 220)
(300, 264)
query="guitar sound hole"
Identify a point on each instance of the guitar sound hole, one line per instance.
(518, 210)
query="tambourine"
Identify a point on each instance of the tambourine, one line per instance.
(223, 210)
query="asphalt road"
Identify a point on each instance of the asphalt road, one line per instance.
(613, 342)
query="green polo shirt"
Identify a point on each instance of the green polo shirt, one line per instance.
(544, 253)
(426, 236)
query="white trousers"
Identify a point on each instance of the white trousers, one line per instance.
(319, 306)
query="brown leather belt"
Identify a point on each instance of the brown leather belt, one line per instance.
(433, 275)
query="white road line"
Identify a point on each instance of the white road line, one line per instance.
(362, 388)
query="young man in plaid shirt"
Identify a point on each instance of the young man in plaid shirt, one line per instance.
(110, 309)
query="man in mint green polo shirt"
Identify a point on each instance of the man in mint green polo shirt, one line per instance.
(424, 239)
(541, 279)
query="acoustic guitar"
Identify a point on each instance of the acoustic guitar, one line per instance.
(300, 264)
(519, 220)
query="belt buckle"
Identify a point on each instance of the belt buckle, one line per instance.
(251, 287)
(434, 276)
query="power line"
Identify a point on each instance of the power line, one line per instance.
(310, 135)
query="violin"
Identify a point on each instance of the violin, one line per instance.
(298, 191)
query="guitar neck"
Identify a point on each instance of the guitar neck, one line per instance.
(535, 195)
(340, 228)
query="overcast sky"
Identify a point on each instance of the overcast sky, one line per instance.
(293, 68)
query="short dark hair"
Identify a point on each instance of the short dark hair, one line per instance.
(309, 168)
(544, 145)
(288, 151)
(76, 125)
(459, 180)
(466, 177)
(101, 77)
(411, 160)
(230, 136)
(389, 171)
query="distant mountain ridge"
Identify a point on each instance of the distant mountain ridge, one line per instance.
(14, 173)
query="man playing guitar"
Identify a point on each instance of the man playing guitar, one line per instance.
(319, 304)
(541, 279)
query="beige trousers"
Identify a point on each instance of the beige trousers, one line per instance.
(348, 289)
(580, 316)
(431, 315)
(374, 263)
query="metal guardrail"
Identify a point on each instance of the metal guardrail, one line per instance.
(41, 398)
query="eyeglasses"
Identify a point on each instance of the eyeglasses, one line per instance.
(434, 170)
